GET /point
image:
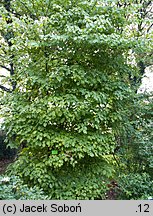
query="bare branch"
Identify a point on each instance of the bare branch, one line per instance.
(5, 89)
(149, 27)
(2, 76)
(6, 68)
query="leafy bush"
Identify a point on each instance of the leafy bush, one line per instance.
(84, 181)
(13, 188)
(135, 186)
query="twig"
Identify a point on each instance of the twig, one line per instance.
(2, 66)
(5, 89)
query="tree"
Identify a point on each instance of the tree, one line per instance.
(72, 92)
(142, 28)
(135, 136)
(6, 56)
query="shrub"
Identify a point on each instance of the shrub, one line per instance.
(86, 181)
(135, 186)
(13, 188)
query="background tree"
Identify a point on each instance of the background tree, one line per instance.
(6, 56)
(142, 28)
(135, 135)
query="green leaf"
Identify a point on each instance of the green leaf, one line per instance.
(54, 152)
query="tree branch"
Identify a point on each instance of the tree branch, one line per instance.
(30, 12)
(149, 27)
(2, 76)
(5, 89)
(6, 68)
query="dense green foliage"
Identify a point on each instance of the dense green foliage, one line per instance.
(135, 186)
(74, 110)
(136, 138)
(13, 188)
